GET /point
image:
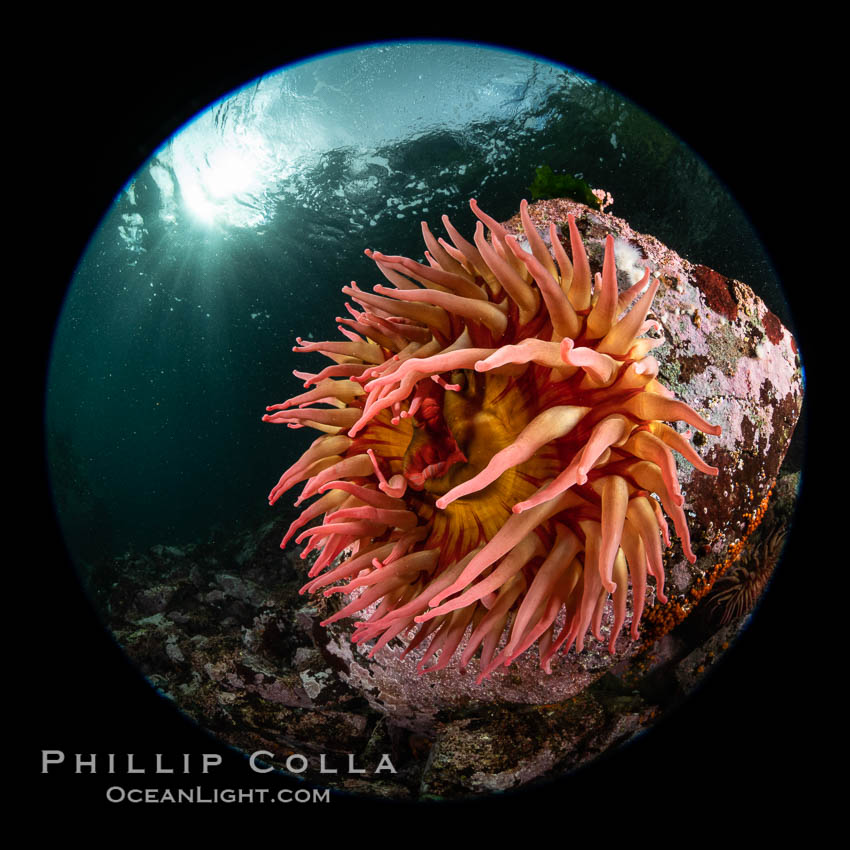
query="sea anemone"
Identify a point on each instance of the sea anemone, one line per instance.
(494, 457)
(736, 593)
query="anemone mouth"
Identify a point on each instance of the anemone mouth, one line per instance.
(467, 418)
(494, 439)
(483, 414)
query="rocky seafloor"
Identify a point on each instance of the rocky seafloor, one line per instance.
(220, 630)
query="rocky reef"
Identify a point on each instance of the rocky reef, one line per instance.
(221, 630)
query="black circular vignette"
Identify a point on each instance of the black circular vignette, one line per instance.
(744, 729)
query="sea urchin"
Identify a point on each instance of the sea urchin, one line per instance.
(494, 449)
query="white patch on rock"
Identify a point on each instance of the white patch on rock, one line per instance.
(630, 260)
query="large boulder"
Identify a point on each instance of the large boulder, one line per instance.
(729, 358)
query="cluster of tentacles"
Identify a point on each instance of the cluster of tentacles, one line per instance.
(736, 592)
(494, 459)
